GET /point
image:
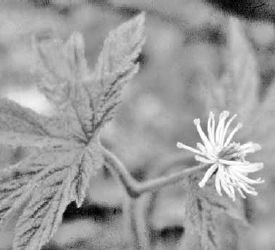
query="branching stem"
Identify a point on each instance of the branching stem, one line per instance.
(135, 188)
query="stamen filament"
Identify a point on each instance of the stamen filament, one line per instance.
(220, 127)
(204, 160)
(208, 174)
(227, 126)
(183, 146)
(211, 128)
(234, 131)
(226, 159)
(204, 138)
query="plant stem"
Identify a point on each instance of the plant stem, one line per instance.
(132, 219)
(134, 188)
(135, 224)
(129, 183)
(156, 184)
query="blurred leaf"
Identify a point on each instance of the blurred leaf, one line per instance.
(203, 207)
(238, 89)
(221, 204)
(177, 11)
(262, 127)
(243, 71)
(265, 114)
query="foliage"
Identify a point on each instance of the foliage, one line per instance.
(203, 206)
(238, 88)
(64, 149)
(65, 146)
(236, 91)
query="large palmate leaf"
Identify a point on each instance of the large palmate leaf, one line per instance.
(64, 150)
(59, 167)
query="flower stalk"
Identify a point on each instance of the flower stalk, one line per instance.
(217, 153)
(134, 188)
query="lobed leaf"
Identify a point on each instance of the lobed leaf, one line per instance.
(89, 101)
(64, 149)
(117, 65)
(44, 183)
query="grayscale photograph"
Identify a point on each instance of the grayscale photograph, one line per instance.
(137, 124)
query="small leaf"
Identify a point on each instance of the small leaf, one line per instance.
(200, 220)
(238, 88)
(261, 130)
(202, 210)
(242, 70)
(223, 205)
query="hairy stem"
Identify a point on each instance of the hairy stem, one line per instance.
(134, 223)
(115, 165)
(134, 188)
(156, 184)
(132, 219)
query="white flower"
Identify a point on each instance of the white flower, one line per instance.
(225, 158)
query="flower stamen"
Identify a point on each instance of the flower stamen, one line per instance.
(226, 159)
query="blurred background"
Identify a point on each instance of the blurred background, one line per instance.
(184, 53)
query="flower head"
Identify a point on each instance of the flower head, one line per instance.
(225, 158)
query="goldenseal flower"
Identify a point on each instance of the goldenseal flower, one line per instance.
(226, 159)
